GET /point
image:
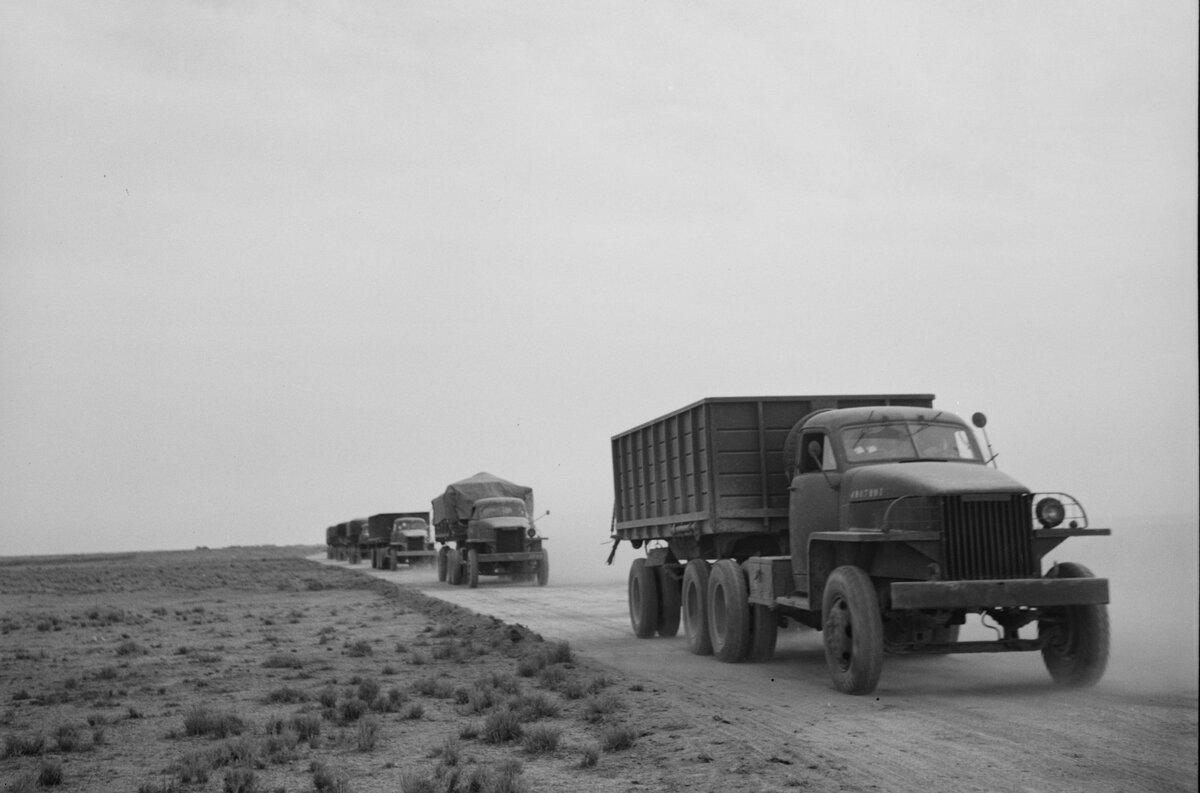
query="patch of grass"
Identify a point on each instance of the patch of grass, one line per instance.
(601, 705)
(438, 688)
(306, 725)
(286, 695)
(590, 757)
(130, 647)
(531, 707)
(617, 737)
(359, 649)
(542, 739)
(501, 726)
(24, 745)
(366, 737)
(328, 780)
(282, 661)
(240, 780)
(413, 711)
(352, 709)
(202, 720)
(69, 737)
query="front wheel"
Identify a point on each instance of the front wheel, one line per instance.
(1077, 637)
(643, 599)
(853, 629)
(543, 569)
(454, 567)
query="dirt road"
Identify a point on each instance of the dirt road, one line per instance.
(960, 723)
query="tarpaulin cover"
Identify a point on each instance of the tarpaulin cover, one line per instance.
(456, 502)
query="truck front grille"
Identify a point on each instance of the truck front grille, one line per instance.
(510, 540)
(988, 537)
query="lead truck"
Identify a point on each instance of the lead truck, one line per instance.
(875, 519)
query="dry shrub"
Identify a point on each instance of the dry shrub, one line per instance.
(501, 726)
(617, 737)
(367, 735)
(282, 661)
(202, 720)
(287, 695)
(20, 745)
(327, 780)
(542, 739)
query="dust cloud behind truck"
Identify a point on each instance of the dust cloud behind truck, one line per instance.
(486, 527)
(873, 518)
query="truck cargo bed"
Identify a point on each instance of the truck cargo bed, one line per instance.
(715, 466)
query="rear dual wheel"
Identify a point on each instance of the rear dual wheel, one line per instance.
(653, 600)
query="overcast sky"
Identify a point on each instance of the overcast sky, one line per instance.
(265, 267)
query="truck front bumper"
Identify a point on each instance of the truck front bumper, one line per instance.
(999, 594)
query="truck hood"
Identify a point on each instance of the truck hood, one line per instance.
(504, 523)
(925, 478)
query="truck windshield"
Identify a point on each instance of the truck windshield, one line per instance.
(510, 510)
(872, 443)
(410, 525)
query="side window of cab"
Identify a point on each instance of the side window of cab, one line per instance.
(816, 454)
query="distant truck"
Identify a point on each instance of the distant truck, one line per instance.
(874, 519)
(385, 547)
(343, 540)
(486, 527)
(411, 542)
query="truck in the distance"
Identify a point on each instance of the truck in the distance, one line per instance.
(875, 519)
(411, 541)
(486, 527)
(391, 538)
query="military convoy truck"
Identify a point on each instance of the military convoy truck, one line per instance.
(390, 538)
(486, 527)
(342, 540)
(875, 519)
(410, 541)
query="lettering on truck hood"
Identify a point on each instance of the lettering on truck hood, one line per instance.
(892, 480)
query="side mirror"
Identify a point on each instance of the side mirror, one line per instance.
(814, 451)
(979, 420)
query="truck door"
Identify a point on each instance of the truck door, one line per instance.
(813, 502)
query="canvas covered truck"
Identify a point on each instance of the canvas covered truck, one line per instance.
(410, 540)
(486, 527)
(877, 520)
(330, 539)
(343, 548)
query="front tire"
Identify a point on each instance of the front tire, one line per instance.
(694, 599)
(728, 612)
(1077, 637)
(853, 629)
(643, 599)
(543, 569)
(454, 567)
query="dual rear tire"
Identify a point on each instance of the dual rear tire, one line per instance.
(653, 600)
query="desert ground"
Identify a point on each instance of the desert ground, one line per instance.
(273, 669)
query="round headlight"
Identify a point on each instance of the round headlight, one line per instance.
(1049, 512)
(532, 532)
